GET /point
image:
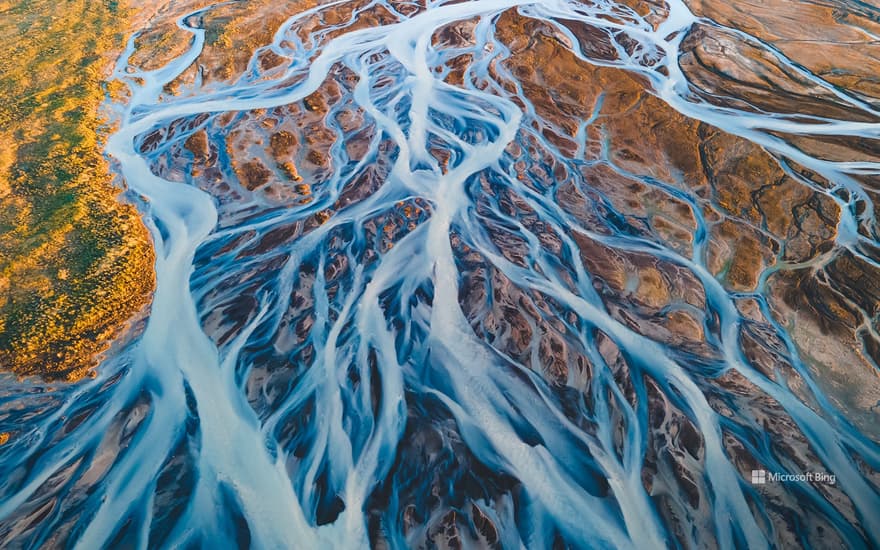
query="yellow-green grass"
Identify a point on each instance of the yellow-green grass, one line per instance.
(75, 262)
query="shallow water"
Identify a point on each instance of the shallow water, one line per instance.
(420, 354)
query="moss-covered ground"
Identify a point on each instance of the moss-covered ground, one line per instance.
(75, 262)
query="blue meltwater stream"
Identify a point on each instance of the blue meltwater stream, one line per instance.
(355, 401)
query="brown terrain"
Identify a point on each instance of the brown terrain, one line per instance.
(828, 299)
(767, 217)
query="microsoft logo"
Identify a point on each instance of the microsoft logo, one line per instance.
(761, 477)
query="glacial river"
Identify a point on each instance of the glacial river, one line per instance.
(355, 402)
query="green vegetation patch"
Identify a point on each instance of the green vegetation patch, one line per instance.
(75, 263)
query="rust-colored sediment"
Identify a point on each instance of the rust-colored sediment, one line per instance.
(759, 216)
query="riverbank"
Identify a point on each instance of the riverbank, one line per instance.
(76, 263)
